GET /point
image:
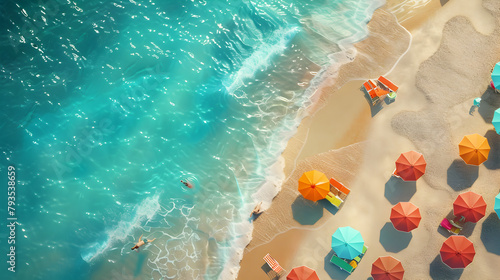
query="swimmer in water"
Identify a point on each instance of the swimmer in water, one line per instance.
(141, 242)
(187, 184)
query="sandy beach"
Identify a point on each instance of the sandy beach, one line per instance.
(440, 68)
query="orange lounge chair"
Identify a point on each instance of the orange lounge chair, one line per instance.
(369, 87)
(388, 83)
(273, 264)
(344, 191)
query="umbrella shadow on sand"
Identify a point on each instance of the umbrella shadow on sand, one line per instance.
(489, 234)
(397, 190)
(439, 270)
(461, 175)
(394, 240)
(305, 211)
(490, 101)
(333, 271)
(493, 161)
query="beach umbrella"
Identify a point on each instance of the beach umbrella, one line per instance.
(496, 120)
(470, 205)
(314, 185)
(497, 204)
(302, 273)
(347, 243)
(387, 268)
(474, 149)
(410, 166)
(457, 251)
(495, 75)
(405, 216)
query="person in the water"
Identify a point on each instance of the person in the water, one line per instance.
(257, 210)
(187, 184)
(141, 242)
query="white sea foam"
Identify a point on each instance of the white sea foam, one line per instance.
(145, 211)
(405, 8)
(261, 57)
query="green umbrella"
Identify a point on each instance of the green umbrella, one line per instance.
(495, 76)
(497, 204)
(496, 120)
(347, 243)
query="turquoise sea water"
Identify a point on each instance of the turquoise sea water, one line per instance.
(107, 105)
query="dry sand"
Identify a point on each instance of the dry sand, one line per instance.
(446, 67)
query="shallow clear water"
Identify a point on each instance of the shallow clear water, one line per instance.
(108, 105)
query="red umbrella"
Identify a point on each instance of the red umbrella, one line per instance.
(405, 216)
(457, 251)
(470, 205)
(387, 268)
(410, 166)
(302, 273)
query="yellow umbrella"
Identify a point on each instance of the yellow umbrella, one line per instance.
(314, 185)
(474, 149)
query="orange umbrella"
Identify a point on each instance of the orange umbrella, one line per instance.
(457, 251)
(470, 205)
(387, 268)
(314, 185)
(410, 166)
(302, 273)
(474, 149)
(405, 216)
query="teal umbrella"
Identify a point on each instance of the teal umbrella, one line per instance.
(347, 243)
(497, 204)
(496, 120)
(495, 76)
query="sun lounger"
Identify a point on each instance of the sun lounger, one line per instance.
(458, 221)
(445, 223)
(348, 265)
(383, 80)
(370, 88)
(273, 264)
(378, 89)
(339, 189)
(342, 264)
(395, 174)
(335, 200)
